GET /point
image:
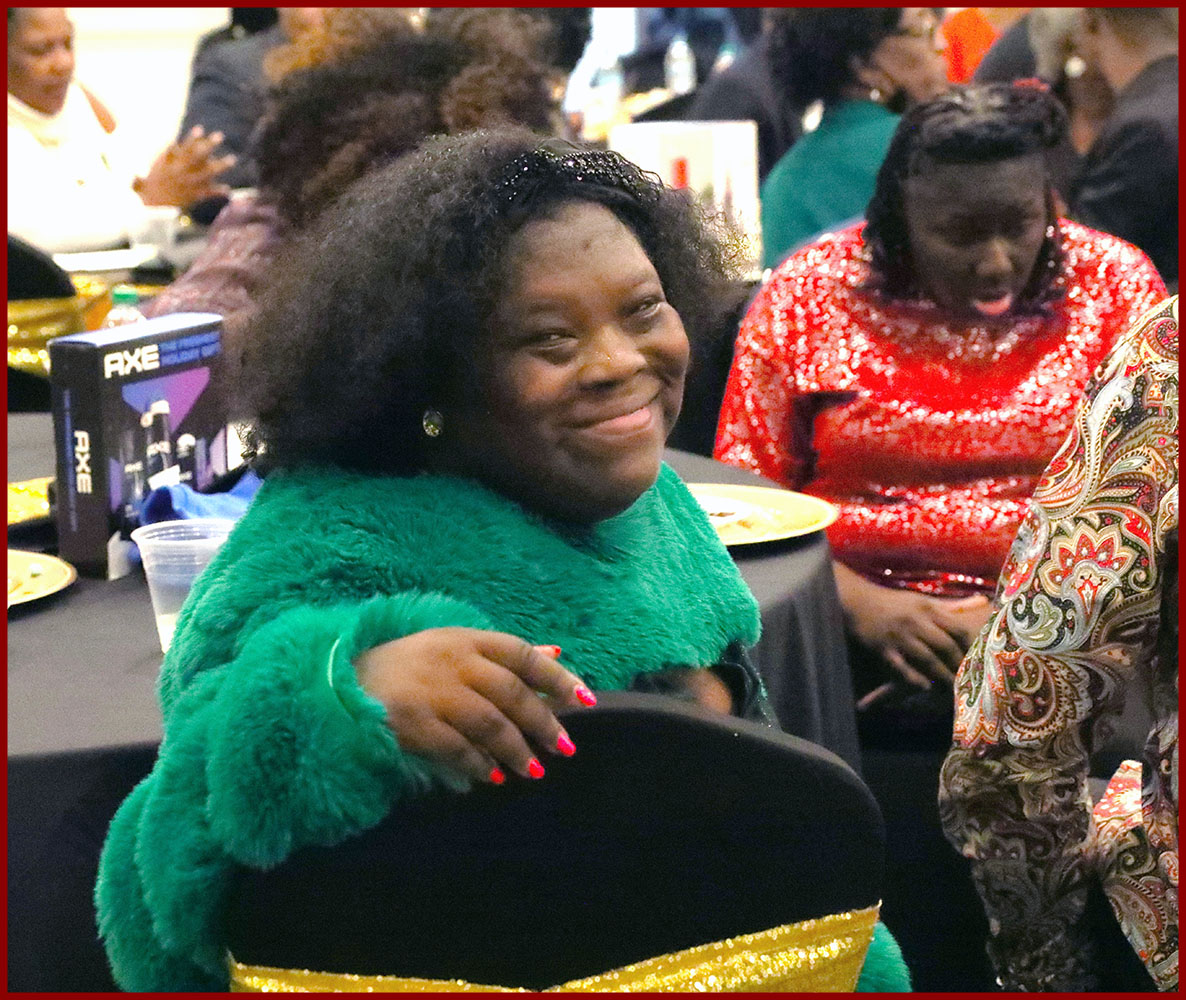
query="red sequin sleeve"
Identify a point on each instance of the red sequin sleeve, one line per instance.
(754, 431)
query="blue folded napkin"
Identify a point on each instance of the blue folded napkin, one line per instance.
(177, 503)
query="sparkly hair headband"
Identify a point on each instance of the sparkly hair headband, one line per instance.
(565, 166)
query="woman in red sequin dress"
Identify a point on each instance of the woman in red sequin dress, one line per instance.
(921, 371)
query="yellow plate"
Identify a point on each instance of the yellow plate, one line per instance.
(33, 575)
(745, 515)
(28, 500)
(33, 323)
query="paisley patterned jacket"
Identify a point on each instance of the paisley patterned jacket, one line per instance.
(1076, 632)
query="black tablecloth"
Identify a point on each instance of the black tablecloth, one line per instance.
(30, 446)
(802, 653)
(83, 720)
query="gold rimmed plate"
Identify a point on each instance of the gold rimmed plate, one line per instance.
(747, 515)
(29, 500)
(34, 575)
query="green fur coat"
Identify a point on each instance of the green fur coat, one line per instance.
(270, 744)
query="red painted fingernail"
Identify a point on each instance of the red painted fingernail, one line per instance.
(535, 768)
(565, 745)
(497, 777)
(584, 695)
(552, 651)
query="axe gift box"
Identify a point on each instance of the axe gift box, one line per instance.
(135, 407)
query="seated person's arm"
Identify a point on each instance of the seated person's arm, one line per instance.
(279, 748)
(185, 172)
(732, 686)
(470, 698)
(922, 639)
(1076, 628)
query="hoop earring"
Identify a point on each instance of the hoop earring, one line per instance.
(433, 423)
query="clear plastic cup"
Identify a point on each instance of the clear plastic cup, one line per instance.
(174, 553)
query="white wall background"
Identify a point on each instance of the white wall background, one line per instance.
(136, 60)
(614, 32)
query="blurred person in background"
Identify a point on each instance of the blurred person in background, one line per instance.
(969, 33)
(865, 66)
(245, 21)
(707, 30)
(227, 87)
(745, 90)
(552, 38)
(568, 32)
(1086, 620)
(1083, 90)
(229, 79)
(1044, 44)
(331, 33)
(379, 93)
(1128, 181)
(68, 188)
(1010, 57)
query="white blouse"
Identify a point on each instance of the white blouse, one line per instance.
(68, 187)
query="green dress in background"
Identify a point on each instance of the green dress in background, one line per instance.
(826, 178)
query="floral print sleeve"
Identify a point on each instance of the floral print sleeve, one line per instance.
(1075, 632)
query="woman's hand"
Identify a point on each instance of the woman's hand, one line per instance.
(471, 698)
(701, 685)
(184, 173)
(923, 639)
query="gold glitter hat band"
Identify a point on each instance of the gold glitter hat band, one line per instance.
(823, 955)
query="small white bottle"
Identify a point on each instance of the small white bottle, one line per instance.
(124, 307)
(679, 66)
(611, 79)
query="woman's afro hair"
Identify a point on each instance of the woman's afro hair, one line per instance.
(377, 306)
(327, 124)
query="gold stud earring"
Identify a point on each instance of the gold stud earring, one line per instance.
(433, 423)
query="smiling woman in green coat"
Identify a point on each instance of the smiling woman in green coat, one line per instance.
(461, 386)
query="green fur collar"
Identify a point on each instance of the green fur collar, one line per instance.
(650, 588)
(271, 744)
